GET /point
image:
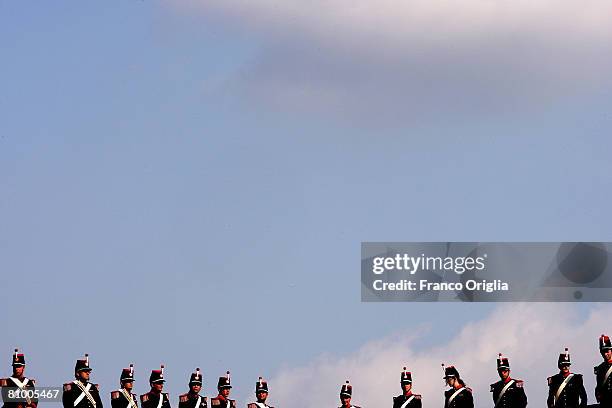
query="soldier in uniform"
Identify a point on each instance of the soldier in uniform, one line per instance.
(18, 381)
(156, 398)
(407, 399)
(222, 400)
(261, 393)
(603, 372)
(123, 397)
(346, 394)
(459, 396)
(566, 389)
(507, 392)
(80, 393)
(193, 399)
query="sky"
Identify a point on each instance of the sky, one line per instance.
(189, 183)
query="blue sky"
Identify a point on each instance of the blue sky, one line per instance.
(190, 182)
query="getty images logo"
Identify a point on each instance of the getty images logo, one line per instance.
(413, 264)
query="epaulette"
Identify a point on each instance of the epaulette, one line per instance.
(469, 389)
(183, 397)
(519, 383)
(166, 395)
(33, 381)
(97, 386)
(417, 396)
(144, 397)
(492, 387)
(115, 394)
(595, 369)
(67, 387)
(232, 403)
(251, 405)
(577, 375)
(3, 382)
(214, 402)
(549, 380)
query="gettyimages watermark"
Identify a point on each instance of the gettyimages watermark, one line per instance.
(486, 271)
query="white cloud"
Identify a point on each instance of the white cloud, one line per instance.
(390, 60)
(531, 335)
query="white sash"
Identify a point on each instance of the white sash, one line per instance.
(84, 393)
(562, 387)
(452, 397)
(503, 391)
(405, 404)
(20, 384)
(604, 381)
(161, 400)
(128, 396)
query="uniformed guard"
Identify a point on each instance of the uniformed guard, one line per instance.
(156, 398)
(261, 393)
(459, 396)
(123, 397)
(222, 400)
(603, 372)
(18, 382)
(346, 394)
(566, 389)
(193, 399)
(407, 399)
(507, 392)
(80, 393)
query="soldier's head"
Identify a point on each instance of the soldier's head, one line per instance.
(261, 390)
(605, 348)
(451, 376)
(156, 380)
(406, 381)
(564, 361)
(18, 364)
(503, 367)
(195, 382)
(127, 378)
(224, 385)
(82, 370)
(346, 392)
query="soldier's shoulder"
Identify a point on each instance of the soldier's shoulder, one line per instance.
(469, 389)
(68, 386)
(166, 395)
(519, 383)
(3, 382)
(232, 403)
(214, 401)
(552, 379)
(144, 397)
(493, 386)
(417, 396)
(97, 387)
(115, 394)
(183, 397)
(251, 405)
(32, 381)
(578, 377)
